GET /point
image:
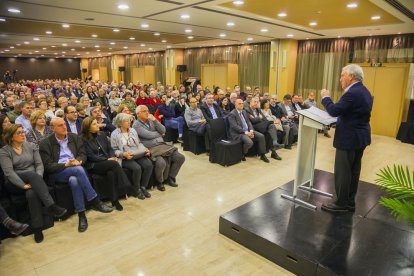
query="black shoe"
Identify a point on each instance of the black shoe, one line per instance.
(244, 158)
(145, 192)
(83, 224)
(333, 208)
(57, 211)
(140, 194)
(275, 156)
(180, 140)
(38, 235)
(264, 158)
(170, 181)
(117, 205)
(16, 228)
(161, 187)
(99, 206)
(289, 147)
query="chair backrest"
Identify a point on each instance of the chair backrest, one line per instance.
(218, 129)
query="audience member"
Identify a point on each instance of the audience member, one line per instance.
(24, 118)
(73, 123)
(39, 130)
(168, 116)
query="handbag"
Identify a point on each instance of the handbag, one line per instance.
(163, 150)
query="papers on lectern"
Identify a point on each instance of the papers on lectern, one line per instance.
(318, 115)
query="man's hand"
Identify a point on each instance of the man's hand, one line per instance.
(147, 152)
(127, 155)
(113, 158)
(203, 121)
(151, 117)
(250, 134)
(277, 121)
(325, 93)
(27, 186)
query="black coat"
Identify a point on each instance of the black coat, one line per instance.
(97, 150)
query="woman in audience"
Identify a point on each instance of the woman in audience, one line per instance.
(39, 129)
(132, 153)
(42, 104)
(51, 107)
(129, 101)
(101, 159)
(265, 106)
(23, 168)
(224, 106)
(81, 110)
(114, 101)
(143, 98)
(153, 100)
(4, 124)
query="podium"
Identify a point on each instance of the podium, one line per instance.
(310, 121)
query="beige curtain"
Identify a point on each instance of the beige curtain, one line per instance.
(391, 49)
(319, 65)
(254, 66)
(137, 60)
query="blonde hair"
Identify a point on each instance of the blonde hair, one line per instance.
(35, 116)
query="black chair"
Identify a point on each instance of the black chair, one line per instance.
(223, 151)
(104, 191)
(192, 141)
(62, 194)
(253, 151)
(171, 135)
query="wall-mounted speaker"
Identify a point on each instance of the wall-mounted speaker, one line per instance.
(84, 70)
(121, 68)
(181, 68)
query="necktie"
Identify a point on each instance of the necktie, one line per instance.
(245, 127)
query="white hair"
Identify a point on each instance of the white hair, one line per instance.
(354, 70)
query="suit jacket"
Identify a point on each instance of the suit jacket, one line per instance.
(93, 154)
(259, 124)
(236, 125)
(150, 133)
(354, 112)
(78, 123)
(207, 113)
(50, 152)
(284, 111)
(277, 111)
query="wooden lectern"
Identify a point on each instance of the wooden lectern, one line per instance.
(310, 121)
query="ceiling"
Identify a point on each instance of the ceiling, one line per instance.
(210, 23)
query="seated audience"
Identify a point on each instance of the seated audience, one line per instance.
(142, 99)
(13, 114)
(4, 124)
(114, 101)
(297, 103)
(265, 107)
(104, 124)
(151, 132)
(210, 110)
(287, 109)
(73, 123)
(242, 129)
(129, 102)
(80, 108)
(39, 129)
(195, 119)
(167, 114)
(133, 154)
(224, 107)
(101, 159)
(23, 168)
(24, 118)
(63, 155)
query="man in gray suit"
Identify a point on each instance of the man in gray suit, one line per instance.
(241, 128)
(150, 132)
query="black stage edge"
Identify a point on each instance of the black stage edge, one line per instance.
(309, 242)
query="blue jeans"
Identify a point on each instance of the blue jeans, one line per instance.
(175, 123)
(79, 184)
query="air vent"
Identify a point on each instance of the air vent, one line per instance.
(401, 8)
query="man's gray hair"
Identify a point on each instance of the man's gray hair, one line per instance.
(120, 118)
(139, 108)
(354, 70)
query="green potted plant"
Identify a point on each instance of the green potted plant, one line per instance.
(399, 184)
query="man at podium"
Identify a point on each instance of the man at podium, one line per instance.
(352, 135)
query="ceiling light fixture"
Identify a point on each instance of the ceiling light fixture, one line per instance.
(64, 44)
(83, 47)
(72, 49)
(13, 10)
(112, 43)
(375, 17)
(264, 30)
(142, 45)
(168, 46)
(150, 49)
(290, 35)
(144, 25)
(163, 41)
(94, 35)
(77, 41)
(157, 34)
(18, 44)
(338, 36)
(190, 37)
(185, 16)
(44, 48)
(282, 14)
(98, 50)
(11, 47)
(116, 30)
(65, 25)
(2, 20)
(352, 5)
(26, 42)
(313, 23)
(36, 38)
(49, 32)
(125, 47)
(188, 30)
(123, 6)
(238, 3)
(230, 24)
(97, 46)
(249, 38)
(132, 38)
(222, 35)
(53, 46)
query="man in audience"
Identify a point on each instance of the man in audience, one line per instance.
(310, 101)
(73, 123)
(232, 103)
(241, 129)
(287, 108)
(151, 133)
(209, 109)
(196, 122)
(24, 118)
(297, 103)
(262, 125)
(104, 124)
(220, 96)
(240, 95)
(290, 130)
(249, 97)
(73, 100)
(168, 114)
(63, 155)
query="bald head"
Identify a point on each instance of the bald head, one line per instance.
(58, 126)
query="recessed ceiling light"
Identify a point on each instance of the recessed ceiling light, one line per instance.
(150, 49)
(36, 38)
(116, 30)
(282, 14)
(307, 38)
(83, 47)
(26, 42)
(97, 46)
(77, 41)
(87, 53)
(264, 30)
(249, 38)
(190, 37)
(65, 25)
(11, 47)
(94, 35)
(163, 41)
(19, 54)
(18, 44)
(132, 38)
(399, 32)
(123, 6)
(109, 53)
(55, 53)
(98, 50)
(53, 46)
(222, 35)
(78, 54)
(112, 43)
(64, 44)
(230, 24)
(142, 45)
(144, 25)
(156, 34)
(72, 49)
(2, 20)
(290, 35)
(49, 32)
(44, 48)
(188, 30)
(36, 51)
(375, 17)
(63, 52)
(352, 5)
(238, 3)
(14, 10)
(109, 48)
(7, 50)
(125, 47)
(338, 36)
(313, 23)
(42, 55)
(168, 46)
(185, 16)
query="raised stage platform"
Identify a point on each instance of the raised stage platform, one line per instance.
(309, 242)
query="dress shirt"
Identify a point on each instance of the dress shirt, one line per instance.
(73, 127)
(289, 111)
(213, 111)
(65, 153)
(24, 122)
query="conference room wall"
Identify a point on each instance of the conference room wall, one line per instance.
(41, 68)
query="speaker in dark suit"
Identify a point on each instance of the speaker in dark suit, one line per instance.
(352, 135)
